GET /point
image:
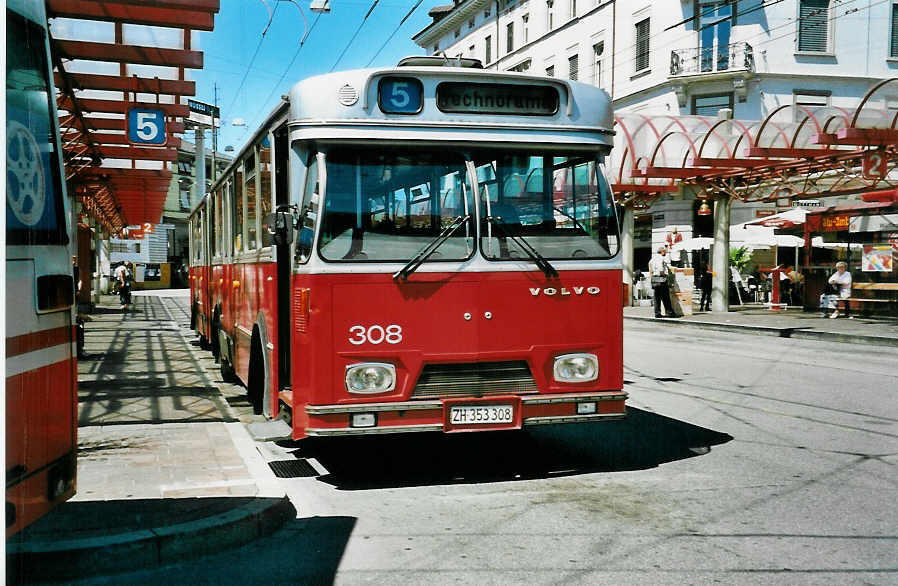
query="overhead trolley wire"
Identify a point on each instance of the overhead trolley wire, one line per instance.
(396, 30)
(286, 69)
(356, 34)
(251, 61)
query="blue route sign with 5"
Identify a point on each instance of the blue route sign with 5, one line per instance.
(146, 126)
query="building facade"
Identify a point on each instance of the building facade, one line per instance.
(684, 57)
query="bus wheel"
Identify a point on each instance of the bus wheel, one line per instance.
(255, 387)
(227, 371)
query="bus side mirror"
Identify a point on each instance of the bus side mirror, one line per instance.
(279, 227)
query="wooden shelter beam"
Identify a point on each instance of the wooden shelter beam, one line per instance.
(130, 54)
(145, 14)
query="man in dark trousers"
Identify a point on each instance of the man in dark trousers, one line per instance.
(659, 269)
(705, 286)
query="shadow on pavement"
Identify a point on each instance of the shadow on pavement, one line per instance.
(90, 538)
(642, 440)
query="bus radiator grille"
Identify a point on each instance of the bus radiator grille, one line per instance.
(474, 380)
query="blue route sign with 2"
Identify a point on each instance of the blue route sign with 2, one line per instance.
(146, 126)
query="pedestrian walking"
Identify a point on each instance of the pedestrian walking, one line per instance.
(705, 286)
(660, 271)
(123, 278)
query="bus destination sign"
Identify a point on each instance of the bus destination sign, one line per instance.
(495, 98)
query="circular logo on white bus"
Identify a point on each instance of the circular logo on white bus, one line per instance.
(24, 174)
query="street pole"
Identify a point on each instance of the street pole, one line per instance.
(199, 164)
(214, 136)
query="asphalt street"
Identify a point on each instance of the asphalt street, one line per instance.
(744, 460)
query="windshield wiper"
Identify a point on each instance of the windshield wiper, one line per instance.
(541, 262)
(430, 248)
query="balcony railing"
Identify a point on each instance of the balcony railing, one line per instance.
(695, 61)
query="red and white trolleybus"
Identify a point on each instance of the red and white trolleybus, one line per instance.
(429, 247)
(41, 370)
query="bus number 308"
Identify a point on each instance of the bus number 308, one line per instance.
(376, 334)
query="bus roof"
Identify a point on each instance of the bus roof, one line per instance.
(454, 104)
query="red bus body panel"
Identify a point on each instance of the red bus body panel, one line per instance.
(450, 318)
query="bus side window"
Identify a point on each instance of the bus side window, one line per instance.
(252, 229)
(264, 187)
(240, 214)
(308, 211)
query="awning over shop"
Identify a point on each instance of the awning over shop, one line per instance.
(120, 76)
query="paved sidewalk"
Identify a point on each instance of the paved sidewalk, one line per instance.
(788, 323)
(165, 469)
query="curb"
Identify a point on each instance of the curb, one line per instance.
(135, 550)
(796, 333)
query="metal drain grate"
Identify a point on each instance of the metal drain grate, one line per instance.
(292, 469)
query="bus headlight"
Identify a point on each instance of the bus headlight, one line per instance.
(576, 368)
(370, 377)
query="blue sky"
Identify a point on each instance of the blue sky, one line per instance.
(229, 49)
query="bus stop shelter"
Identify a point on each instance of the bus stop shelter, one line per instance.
(794, 153)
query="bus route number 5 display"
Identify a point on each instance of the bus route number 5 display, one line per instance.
(146, 126)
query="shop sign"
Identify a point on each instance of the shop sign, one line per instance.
(835, 223)
(764, 213)
(807, 203)
(874, 223)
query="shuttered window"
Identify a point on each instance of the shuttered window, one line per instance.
(813, 26)
(893, 45)
(572, 66)
(642, 45)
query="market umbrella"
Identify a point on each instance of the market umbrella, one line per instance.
(698, 243)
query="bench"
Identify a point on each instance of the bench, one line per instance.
(868, 303)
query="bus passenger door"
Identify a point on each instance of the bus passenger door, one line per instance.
(283, 259)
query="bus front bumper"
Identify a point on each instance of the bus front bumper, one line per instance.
(443, 414)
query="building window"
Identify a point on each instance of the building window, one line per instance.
(525, 30)
(489, 50)
(550, 15)
(573, 8)
(572, 65)
(715, 21)
(457, 32)
(522, 67)
(436, 49)
(509, 37)
(808, 100)
(893, 45)
(184, 198)
(185, 168)
(642, 45)
(550, 71)
(597, 50)
(710, 104)
(813, 26)
(471, 23)
(486, 12)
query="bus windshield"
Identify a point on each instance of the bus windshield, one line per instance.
(33, 187)
(383, 205)
(386, 205)
(559, 204)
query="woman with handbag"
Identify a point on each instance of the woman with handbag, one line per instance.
(659, 269)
